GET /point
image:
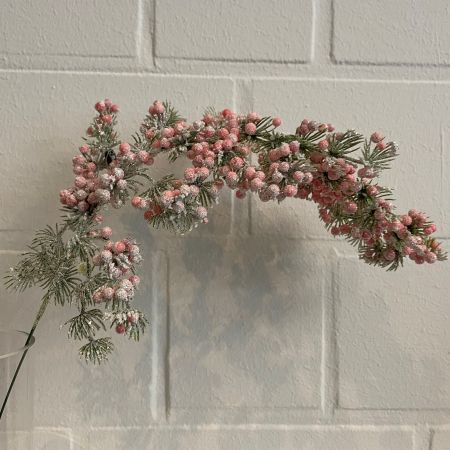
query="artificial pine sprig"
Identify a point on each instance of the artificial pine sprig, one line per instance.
(85, 324)
(97, 350)
(67, 262)
(78, 263)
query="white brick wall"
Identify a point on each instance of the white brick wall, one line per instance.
(266, 332)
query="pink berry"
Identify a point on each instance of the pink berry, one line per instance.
(168, 132)
(135, 280)
(256, 184)
(232, 178)
(406, 220)
(261, 175)
(158, 107)
(83, 206)
(190, 175)
(143, 156)
(227, 113)
(223, 133)
(136, 201)
(124, 148)
(165, 143)
(250, 128)
(350, 207)
(335, 231)
(106, 232)
(333, 174)
(290, 190)
(132, 318)
(80, 182)
(227, 144)
(298, 176)
(389, 254)
(316, 157)
(274, 155)
(106, 256)
(244, 151)
(294, 146)
(430, 229)
(237, 163)
(108, 293)
(430, 257)
(119, 247)
(201, 212)
(120, 328)
(284, 150)
(372, 190)
(97, 296)
(276, 121)
(249, 172)
(376, 137)
(203, 173)
(148, 214)
(100, 106)
(156, 143)
(78, 160)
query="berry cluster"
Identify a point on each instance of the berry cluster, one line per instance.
(315, 163)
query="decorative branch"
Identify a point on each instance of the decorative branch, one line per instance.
(337, 171)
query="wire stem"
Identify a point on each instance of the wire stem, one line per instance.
(40, 313)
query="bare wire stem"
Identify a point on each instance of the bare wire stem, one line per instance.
(40, 313)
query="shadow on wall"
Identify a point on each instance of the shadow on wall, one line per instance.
(245, 330)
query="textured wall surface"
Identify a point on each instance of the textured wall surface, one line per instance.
(266, 333)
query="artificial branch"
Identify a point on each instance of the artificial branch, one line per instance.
(77, 263)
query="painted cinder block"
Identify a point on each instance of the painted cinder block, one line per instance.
(234, 30)
(440, 439)
(387, 32)
(392, 336)
(69, 28)
(237, 356)
(245, 333)
(304, 438)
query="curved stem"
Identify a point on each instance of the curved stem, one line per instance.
(40, 313)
